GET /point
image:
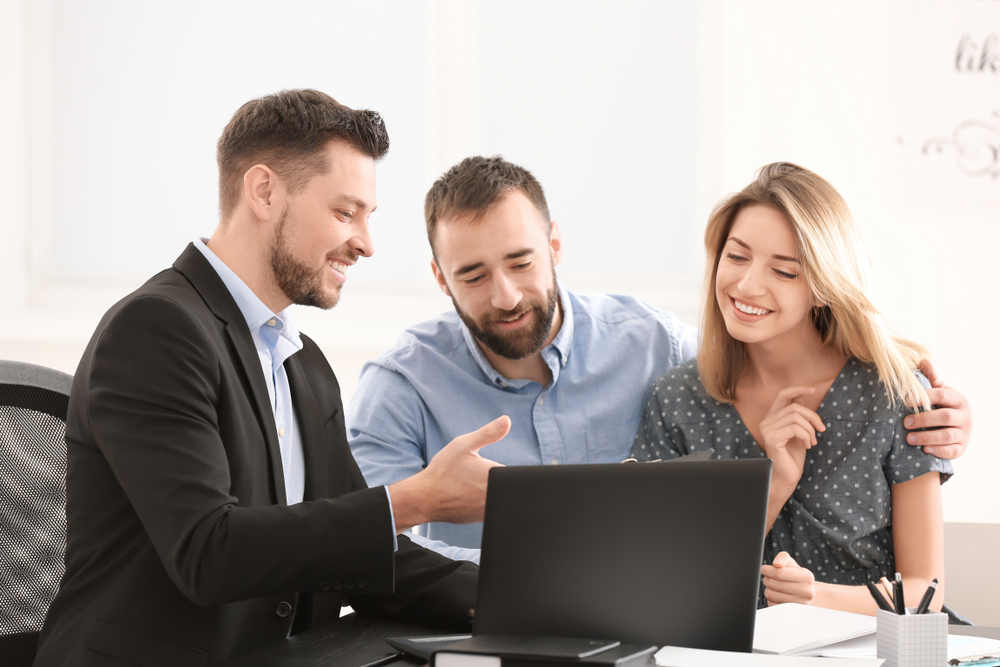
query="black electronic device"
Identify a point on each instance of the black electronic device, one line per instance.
(653, 553)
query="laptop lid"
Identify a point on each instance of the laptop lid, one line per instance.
(655, 553)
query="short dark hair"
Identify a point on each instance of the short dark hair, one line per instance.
(477, 184)
(288, 131)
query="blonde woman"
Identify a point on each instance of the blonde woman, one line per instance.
(796, 364)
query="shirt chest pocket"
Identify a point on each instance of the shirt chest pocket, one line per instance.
(611, 444)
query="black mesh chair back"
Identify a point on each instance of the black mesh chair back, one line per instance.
(33, 402)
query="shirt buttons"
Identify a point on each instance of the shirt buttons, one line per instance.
(541, 401)
(271, 322)
(554, 462)
(281, 433)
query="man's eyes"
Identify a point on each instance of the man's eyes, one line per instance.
(520, 266)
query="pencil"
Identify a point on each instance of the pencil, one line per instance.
(887, 586)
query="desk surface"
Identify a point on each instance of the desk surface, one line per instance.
(351, 641)
(974, 631)
(356, 640)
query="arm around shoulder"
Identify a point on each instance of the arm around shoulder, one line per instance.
(950, 423)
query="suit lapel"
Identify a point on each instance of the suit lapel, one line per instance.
(193, 265)
(314, 443)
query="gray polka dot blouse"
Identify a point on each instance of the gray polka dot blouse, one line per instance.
(837, 522)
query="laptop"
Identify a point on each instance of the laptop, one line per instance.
(654, 553)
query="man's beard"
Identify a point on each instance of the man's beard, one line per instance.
(520, 343)
(300, 283)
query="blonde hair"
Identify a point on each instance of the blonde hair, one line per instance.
(836, 268)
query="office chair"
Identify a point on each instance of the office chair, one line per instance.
(33, 402)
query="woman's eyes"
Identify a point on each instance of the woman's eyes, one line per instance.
(740, 258)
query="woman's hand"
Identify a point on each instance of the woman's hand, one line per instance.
(788, 430)
(785, 581)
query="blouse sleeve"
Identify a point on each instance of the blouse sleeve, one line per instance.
(906, 462)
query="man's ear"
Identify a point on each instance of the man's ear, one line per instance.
(555, 243)
(439, 277)
(264, 192)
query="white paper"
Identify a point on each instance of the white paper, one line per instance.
(964, 646)
(673, 656)
(859, 647)
(787, 629)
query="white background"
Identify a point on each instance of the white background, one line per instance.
(636, 117)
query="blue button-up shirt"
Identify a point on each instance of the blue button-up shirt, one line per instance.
(276, 339)
(437, 384)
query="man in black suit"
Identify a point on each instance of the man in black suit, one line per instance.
(213, 504)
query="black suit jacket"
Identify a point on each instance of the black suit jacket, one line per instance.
(181, 549)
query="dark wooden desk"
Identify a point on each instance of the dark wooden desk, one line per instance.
(351, 641)
(356, 640)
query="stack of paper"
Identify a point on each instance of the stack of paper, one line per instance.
(795, 629)
(673, 656)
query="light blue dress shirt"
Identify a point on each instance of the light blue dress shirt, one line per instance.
(436, 385)
(276, 339)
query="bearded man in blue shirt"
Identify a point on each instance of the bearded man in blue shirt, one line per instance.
(572, 371)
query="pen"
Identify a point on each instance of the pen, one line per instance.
(925, 601)
(897, 597)
(887, 585)
(879, 598)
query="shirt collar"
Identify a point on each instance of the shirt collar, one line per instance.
(563, 342)
(254, 311)
(556, 354)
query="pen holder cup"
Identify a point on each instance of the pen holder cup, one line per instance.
(913, 640)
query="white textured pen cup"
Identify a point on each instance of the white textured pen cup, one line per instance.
(913, 640)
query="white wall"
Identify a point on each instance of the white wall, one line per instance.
(636, 116)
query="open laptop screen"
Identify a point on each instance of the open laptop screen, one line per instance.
(654, 553)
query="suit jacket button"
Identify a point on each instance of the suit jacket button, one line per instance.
(283, 610)
(325, 586)
(362, 583)
(349, 583)
(337, 585)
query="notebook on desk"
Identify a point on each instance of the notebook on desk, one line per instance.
(656, 553)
